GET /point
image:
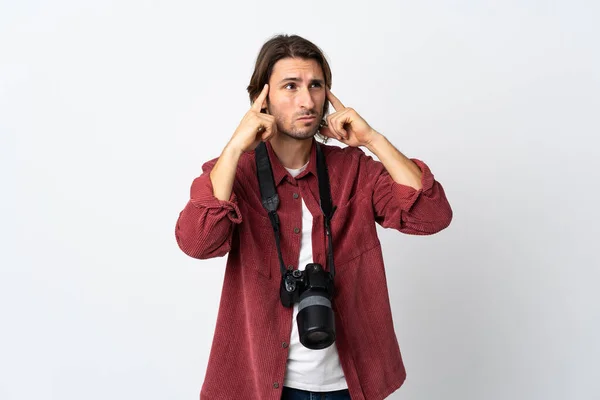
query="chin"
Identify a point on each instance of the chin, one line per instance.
(299, 134)
(307, 134)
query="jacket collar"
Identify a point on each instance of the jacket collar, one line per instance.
(279, 171)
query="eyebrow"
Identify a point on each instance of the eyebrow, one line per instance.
(295, 79)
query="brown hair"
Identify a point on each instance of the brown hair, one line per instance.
(284, 46)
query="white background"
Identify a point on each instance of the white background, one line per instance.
(109, 108)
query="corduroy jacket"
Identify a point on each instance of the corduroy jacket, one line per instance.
(250, 345)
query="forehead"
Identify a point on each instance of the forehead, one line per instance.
(299, 67)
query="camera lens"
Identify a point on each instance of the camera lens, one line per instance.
(318, 338)
(316, 322)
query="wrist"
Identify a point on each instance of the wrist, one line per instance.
(231, 149)
(377, 140)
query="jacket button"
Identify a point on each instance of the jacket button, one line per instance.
(290, 267)
(295, 195)
(296, 230)
(276, 385)
(284, 345)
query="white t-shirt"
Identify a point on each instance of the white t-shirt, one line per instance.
(311, 370)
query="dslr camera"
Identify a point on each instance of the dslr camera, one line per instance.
(312, 289)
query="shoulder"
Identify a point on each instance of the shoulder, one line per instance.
(245, 162)
(337, 156)
(209, 165)
(341, 153)
(352, 164)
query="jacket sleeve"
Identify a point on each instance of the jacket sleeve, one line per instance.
(401, 207)
(205, 226)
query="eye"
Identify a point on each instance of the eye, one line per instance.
(293, 85)
(316, 84)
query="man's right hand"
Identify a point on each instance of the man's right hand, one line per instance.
(255, 126)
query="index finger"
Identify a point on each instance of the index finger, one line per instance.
(257, 105)
(335, 102)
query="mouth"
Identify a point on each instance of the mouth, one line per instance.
(307, 118)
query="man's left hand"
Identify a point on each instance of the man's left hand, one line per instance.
(346, 125)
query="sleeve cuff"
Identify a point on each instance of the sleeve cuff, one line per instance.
(201, 196)
(407, 195)
(427, 179)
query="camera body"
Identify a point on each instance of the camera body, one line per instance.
(313, 280)
(313, 290)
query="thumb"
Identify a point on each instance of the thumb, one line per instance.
(325, 131)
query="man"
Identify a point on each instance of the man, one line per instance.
(256, 352)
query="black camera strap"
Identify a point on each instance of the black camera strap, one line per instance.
(327, 207)
(270, 199)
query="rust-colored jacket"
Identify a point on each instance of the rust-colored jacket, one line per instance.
(250, 345)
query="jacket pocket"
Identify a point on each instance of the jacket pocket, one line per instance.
(354, 230)
(257, 246)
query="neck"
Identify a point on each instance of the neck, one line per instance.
(292, 153)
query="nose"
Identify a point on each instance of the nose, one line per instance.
(305, 99)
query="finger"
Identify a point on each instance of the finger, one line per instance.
(266, 126)
(332, 122)
(257, 105)
(325, 131)
(344, 121)
(269, 133)
(343, 132)
(335, 102)
(262, 122)
(328, 128)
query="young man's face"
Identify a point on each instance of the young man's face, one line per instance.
(297, 91)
